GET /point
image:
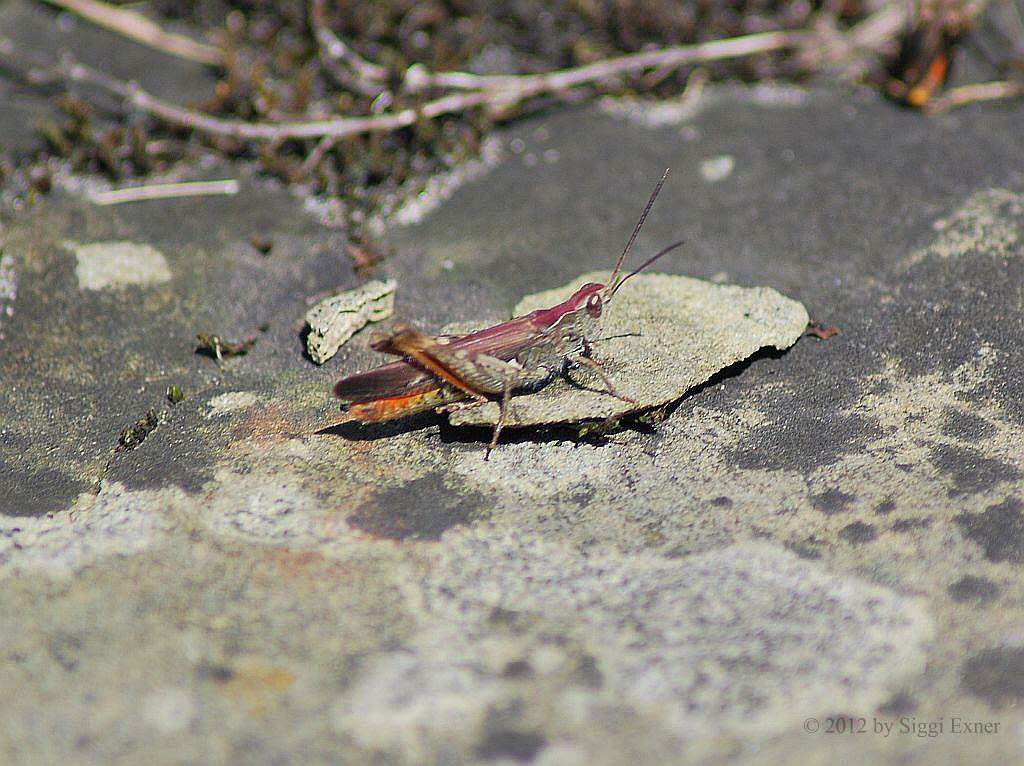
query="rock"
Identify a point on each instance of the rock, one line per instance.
(660, 337)
(336, 319)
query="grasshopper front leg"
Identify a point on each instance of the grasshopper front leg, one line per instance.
(497, 376)
(581, 354)
(596, 367)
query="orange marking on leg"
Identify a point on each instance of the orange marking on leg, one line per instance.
(399, 406)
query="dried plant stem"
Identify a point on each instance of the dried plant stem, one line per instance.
(137, 27)
(564, 79)
(166, 191)
(494, 92)
(851, 54)
(971, 94)
(347, 66)
(338, 127)
(314, 157)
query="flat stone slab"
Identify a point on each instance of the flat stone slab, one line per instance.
(661, 336)
(833, 531)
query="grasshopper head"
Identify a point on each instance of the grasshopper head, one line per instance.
(590, 297)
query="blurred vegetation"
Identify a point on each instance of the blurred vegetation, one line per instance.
(273, 68)
(272, 71)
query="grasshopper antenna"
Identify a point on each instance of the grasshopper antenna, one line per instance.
(645, 264)
(636, 231)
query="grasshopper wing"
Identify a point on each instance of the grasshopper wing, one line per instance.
(453, 366)
(503, 341)
(448, 357)
(389, 380)
(463, 364)
(397, 379)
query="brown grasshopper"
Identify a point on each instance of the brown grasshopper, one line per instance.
(441, 372)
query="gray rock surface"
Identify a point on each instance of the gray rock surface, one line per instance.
(837, 530)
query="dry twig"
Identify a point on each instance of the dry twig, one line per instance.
(850, 54)
(137, 27)
(823, 48)
(526, 86)
(349, 68)
(165, 191)
(974, 93)
(193, 119)
(498, 92)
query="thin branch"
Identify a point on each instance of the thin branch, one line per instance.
(309, 164)
(166, 191)
(495, 92)
(972, 94)
(850, 54)
(142, 30)
(680, 55)
(881, 26)
(348, 67)
(338, 127)
(418, 78)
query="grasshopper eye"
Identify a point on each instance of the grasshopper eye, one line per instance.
(594, 305)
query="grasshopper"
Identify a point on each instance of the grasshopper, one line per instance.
(522, 355)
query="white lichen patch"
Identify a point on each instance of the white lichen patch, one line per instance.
(103, 265)
(718, 168)
(299, 492)
(651, 114)
(334, 320)
(891, 480)
(773, 94)
(988, 221)
(565, 468)
(230, 402)
(660, 337)
(744, 640)
(114, 522)
(913, 414)
(270, 494)
(262, 509)
(169, 710)
(8, 288)
(655, 114)
(443, 185)
(447, 706)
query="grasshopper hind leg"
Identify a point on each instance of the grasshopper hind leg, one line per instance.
(506, 397)
(514, 377)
